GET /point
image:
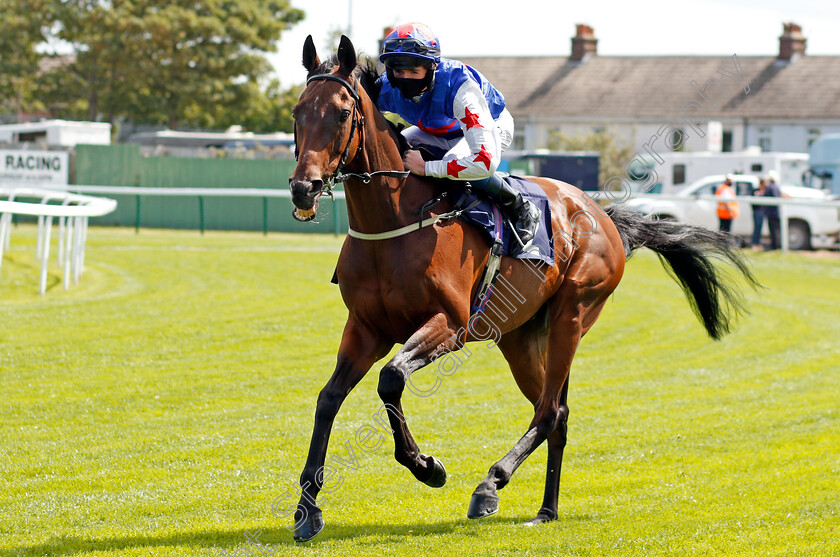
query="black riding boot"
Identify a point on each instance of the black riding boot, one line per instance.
(523, 214)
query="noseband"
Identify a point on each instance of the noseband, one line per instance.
(358, 121)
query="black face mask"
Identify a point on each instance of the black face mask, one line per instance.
(410, 88)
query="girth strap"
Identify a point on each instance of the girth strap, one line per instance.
(411, 227)
(494, 263)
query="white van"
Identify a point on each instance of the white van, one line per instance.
(678, 170)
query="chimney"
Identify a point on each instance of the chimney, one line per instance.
(385, 32)
(584, 44)
(791, 43)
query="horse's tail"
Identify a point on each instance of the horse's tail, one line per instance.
(687, 252)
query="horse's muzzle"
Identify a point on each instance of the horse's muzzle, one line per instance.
(305, 193)
(305, 196)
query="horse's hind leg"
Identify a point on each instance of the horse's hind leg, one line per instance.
(525, 351)
(435, 336)
(550, 415)
(556, 446)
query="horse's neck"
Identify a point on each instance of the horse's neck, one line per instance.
(386, 203)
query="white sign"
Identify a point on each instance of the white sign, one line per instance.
(714, 138)
(34, 168)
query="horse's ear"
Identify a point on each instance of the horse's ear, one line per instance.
(346, 55)
(310, 56)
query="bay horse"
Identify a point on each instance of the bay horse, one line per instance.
(411, 285)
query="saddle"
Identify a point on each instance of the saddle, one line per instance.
(480, 211)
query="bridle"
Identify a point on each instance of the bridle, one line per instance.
(358, 122)
(340, 176)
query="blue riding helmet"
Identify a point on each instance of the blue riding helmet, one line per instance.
(410, 45)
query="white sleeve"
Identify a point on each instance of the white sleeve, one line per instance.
(485, 152)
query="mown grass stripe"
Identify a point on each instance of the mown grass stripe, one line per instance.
(160, 406)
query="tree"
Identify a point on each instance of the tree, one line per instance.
(23, 26)
(98, 81)
(614, 156)
(179, 62)
(273, 110)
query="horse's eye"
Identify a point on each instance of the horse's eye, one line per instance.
(345, 114)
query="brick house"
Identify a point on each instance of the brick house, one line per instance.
(693, 103)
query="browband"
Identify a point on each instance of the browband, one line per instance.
(350, 88)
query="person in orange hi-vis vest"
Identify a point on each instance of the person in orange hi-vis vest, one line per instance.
(727, 210)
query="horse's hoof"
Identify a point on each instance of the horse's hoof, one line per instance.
(438, 477)
(483, 504)
(542, 517)
(309, 527)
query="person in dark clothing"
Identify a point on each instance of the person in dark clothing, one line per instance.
(758, 216)
(771, 212)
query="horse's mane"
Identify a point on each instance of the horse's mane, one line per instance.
(367, 73)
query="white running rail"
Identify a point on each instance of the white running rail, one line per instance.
(72, 211)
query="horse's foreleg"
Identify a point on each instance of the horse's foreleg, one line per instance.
(435, 336)
(359, 349)
(549, 415)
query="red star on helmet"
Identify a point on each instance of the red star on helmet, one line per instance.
(453, 168)
(470, 119)
(425, 31)
(484, 156)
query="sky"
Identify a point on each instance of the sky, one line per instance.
(545, 27)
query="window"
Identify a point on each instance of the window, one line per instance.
(31, 137)
(679, 174)
(708, 190)
(743, 188)
(813, 135)
(726, 143)
(676, 141)
(757, 167)
(764, 141)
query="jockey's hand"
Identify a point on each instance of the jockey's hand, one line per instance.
(414, 162)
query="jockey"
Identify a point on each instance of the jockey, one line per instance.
(456, 111)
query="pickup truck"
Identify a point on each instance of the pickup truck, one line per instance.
(809, 226)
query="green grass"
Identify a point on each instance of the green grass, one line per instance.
(160, 406)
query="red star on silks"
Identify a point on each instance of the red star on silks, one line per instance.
(470, 119)
(453, 168)
(484, 156)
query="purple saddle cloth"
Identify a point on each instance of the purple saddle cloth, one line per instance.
(482, 215)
